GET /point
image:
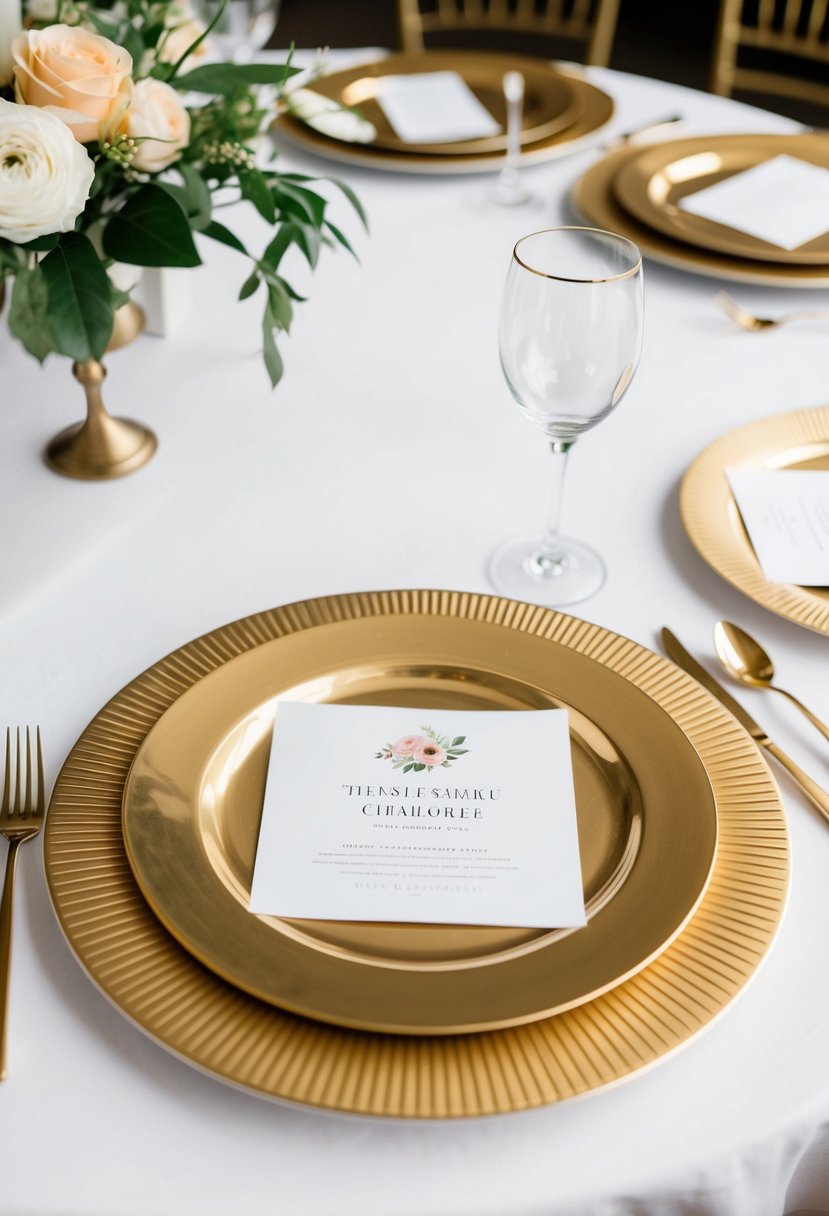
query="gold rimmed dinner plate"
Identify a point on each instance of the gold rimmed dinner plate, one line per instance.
(646, 816)
(551, 101)
(594, 111)
(216, 1026)
(652, 185)
(594, 201)
(799, 440)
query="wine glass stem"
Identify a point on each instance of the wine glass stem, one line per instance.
(550, 559)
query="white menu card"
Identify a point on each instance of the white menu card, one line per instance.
(784, 201)
(433, 108)
(433, 816)
(786, 515)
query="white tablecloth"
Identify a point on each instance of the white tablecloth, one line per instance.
(392, 455)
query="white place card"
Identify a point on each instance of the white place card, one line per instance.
(434, 816)
(784, 201)
(434, 108)
(786, 515)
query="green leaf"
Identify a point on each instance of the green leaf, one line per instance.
(150, 230)
(225, 79)
(273, 359)
(29, 312)
(407, 767)
(250, 285)
(418, 768)
(193, 196)
(458, 740)
(255, 189)
(80, 303)
(342, 238)
(280, 304)
(218, 232)
(42, 244)
(311, 206)
(281, 242)
(352, 198)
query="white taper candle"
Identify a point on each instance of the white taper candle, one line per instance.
(11, 23)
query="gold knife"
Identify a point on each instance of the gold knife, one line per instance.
(675, 650)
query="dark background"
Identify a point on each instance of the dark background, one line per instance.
(670, 39)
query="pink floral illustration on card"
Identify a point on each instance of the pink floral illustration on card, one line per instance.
(415, 753)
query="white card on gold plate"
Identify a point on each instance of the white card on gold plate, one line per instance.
(433, 816)
(434, 107)
(786, 515)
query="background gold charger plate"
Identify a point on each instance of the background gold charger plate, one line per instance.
(596, 111)
(165, 991)
(799, 440)
(652, 184)
(593, 200)
(646, 815)
(551, 102)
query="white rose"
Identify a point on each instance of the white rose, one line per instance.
(160, 122)
(45, 174)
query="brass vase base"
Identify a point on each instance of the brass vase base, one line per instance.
(101, 447)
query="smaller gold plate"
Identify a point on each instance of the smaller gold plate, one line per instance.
(652, 185)
(551, 102)
(646, 813)
(798, 440)
(594, 201)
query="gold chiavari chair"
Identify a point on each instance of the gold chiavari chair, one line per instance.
(588, 22)
(781, 31)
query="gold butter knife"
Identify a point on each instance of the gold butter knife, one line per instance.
(675, 650)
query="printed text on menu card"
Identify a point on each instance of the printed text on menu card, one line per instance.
(432, 816)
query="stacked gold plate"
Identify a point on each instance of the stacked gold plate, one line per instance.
(561, 112)
(638, 191)
(150, 838)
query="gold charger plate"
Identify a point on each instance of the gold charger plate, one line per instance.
(594, 201)
(652, 185)
(185, 1007)
(799, 440)
(595, 110)
(551, 102)
(646, 816)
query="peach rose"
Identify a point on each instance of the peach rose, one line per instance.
(179, 39)
(82, 78)
(408, 745)
(431, 754)
(160, 123)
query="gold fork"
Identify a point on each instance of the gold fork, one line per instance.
(750, 321)
(21, 818)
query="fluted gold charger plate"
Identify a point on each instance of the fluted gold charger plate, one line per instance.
(653, 184)
(646, 817)
(797, 440)
(594, 201)
(216, 1026)
(551, 102)
(594, 112)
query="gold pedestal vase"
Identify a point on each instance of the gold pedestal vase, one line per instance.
(102, 447)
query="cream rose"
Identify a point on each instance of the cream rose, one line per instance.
(81, 77)
(179, 39)
(160, 123)
(45, 174)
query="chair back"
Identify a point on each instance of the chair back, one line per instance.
(589, 22)
(787, 32)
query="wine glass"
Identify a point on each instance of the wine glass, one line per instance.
(243, 26)
(570, 339)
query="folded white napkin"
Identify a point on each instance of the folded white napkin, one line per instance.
(434, 107)
(784, 201)
(329, 117)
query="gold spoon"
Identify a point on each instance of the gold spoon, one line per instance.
(750, 321)
(747, 662)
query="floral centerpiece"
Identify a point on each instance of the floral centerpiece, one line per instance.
(119, 140)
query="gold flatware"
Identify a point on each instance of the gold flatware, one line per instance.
(21, 818)
(754, 324)
(798, 439)
(676, 651)
(747, 662)
(649, 128)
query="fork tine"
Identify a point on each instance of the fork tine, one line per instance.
(7, 783)
(40, 806)
(18, 786)
(27, 806)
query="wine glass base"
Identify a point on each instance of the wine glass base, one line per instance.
(515, 571)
